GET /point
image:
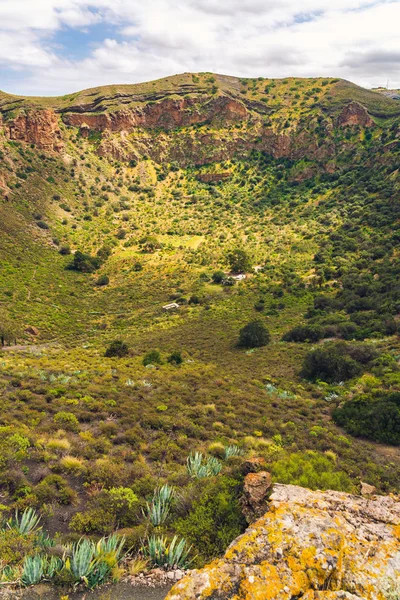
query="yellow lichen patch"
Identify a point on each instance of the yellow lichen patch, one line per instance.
(396, 531)
(300, 583)
(248, 545)
(307, 556)
(213, 577)
(263, 584)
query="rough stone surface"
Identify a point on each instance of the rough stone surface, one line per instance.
(31, 330)
(253, 465)
(355, 114)
(39, 127)
(317, 545)
(256, 489)
(367, 489)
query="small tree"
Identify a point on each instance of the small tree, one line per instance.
(84, 262)
(9, 329)
(117, 348)
(149, 243)
(239, 261)
(254, 335)
(218, 277)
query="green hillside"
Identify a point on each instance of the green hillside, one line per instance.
(100, 233)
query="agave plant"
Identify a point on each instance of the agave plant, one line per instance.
(158, 510)
(53, 565)
(162, 554)
(9, 574)
(33, 569)
(27, 522)
(82, 561)
(110, 549)
(232, 450)
(199, 467)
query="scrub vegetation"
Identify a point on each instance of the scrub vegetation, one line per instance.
(124, 425)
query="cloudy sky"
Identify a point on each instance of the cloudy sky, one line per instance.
(52, 47)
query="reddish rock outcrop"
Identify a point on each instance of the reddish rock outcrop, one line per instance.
(355, 114)
(256, 489)
(39, 127)
(166, 114)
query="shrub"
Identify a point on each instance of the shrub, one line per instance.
(42, 225)
(215, 518)
(304, 333)
(175, 358)
(254, 335)
(117, 349)
(64, 250)
(96, 520)
(103, 280)
(152, 358)
(73, 465)
(14, 546)
(67, 421)
(331, 363)
(218, 277)
(55, 488)
(311, 470)
(374, 417)
(84, 262)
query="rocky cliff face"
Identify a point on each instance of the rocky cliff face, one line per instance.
(189, 124)
(313, 545)
(39, 127)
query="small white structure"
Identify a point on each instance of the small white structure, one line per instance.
(239, 277)
(171, 306)
(257, 268)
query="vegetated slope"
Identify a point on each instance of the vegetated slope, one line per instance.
(155, 184)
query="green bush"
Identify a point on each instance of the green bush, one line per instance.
(152, 358)
(175, 358)
(311, 470)
(215, 518)
(84, 262)
(96, 520)
(254, 335)
(239, 261)
(103, 280)
(117, 349)
(55, 488)
(374, 417)
(218, 277)
(67, 421)
(335, 362)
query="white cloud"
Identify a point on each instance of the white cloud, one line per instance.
(355, 39)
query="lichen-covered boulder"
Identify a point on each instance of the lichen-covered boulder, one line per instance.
(315, 545)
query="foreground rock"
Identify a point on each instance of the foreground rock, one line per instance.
(256, 488)
(317, 545)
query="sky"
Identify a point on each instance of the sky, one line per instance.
(55, 47)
